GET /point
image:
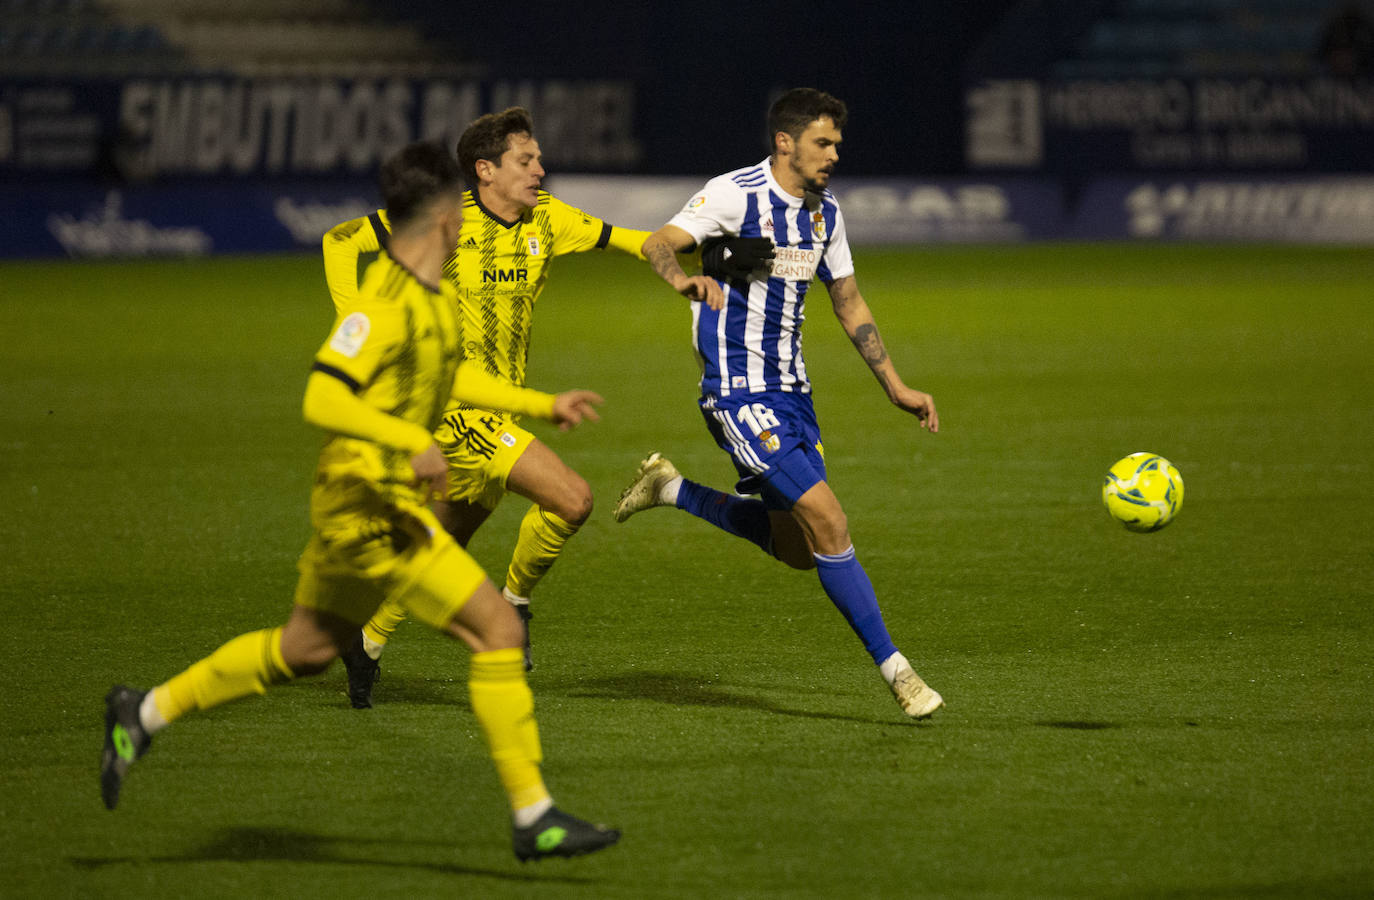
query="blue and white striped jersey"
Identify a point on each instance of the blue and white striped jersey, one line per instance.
(755, 343)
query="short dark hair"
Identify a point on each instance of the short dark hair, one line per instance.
(489, 136)
(798, 108)
(414, 176)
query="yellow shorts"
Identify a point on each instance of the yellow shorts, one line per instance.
(364, 554)
(481, 447)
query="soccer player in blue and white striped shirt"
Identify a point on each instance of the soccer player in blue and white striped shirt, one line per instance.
(755, 393)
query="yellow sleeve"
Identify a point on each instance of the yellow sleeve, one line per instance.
(628, 240)
(475, 387)
(343, 244)
(331, 404)
(575, 231)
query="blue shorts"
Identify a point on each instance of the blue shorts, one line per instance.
(774, 441)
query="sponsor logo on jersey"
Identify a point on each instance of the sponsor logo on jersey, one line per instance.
(497, 275)
(796, 263)
(695, 204)
(508, 439)
(349, 337)
(739, 381)
(471, 243)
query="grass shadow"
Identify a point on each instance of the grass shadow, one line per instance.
(394, 688)
(681, 689)
(251, 844)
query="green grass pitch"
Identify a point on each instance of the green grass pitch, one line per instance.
(1186, 713)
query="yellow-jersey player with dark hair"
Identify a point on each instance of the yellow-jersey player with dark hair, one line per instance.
(511, 233)
(378, 387)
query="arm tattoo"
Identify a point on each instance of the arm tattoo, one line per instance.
(664, 261)
(842, 292)
(869, 344)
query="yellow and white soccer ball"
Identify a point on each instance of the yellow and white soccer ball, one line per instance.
(1143, 491)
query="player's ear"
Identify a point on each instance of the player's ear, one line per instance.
(782, 142)
(483, 168)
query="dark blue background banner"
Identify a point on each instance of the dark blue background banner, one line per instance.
(91, 220)
(1084, 127)
(146, 129)
(1315, 209)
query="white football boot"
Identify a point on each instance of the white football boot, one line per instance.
(916, 698)
(645, 492)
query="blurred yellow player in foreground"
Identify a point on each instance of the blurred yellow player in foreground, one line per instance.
(379, 387)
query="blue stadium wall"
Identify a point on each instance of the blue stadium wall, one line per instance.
(932, 153)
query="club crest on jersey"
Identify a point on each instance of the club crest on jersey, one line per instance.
(770, 441)
(349, 337)
(532, 242)
(818, 225)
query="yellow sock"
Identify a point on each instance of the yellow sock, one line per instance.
(248, 664)
(504, 706)
(382, 625)
(542, 536)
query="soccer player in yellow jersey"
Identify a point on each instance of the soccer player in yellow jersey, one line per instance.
(511, 232)
(379, 386)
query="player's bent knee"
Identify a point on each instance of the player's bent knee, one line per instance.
(574, 506)
(831, 534)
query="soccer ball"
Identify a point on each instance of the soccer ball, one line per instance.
(1143, 492)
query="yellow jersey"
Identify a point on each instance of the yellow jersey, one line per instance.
(498, 270)
(395, 345)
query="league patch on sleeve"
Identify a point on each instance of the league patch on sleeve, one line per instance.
(351, 334)
(694, 204)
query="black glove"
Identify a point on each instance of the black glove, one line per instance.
(730, 258)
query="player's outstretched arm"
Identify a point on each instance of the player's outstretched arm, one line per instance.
(630, 241)
(661, 249)
(857, 320)
(474, 386)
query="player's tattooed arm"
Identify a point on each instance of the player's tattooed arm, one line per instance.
(869, 344)
(857, 320)
(664, 261)
(858, 323)
(661, 249)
